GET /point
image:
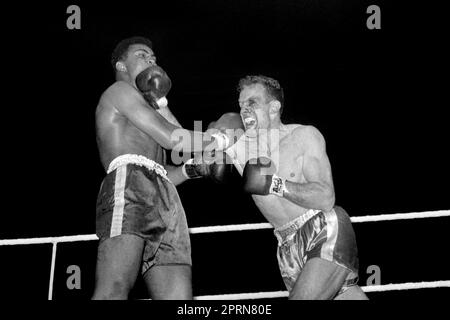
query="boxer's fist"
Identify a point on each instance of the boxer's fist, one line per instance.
(230, 120)
(229, 124)
(259, 178)
(214, 167)
(154, 83)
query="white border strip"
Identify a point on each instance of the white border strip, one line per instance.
(285, 294)
(234, 227)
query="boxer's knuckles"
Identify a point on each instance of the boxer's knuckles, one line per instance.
(230, 120)
(153, 82)
(230, 124)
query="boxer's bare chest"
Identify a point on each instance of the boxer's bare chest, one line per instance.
(282, 147)
(116, 136)
(290, 162)
(286, 151)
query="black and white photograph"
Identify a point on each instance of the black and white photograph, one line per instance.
(245, 152)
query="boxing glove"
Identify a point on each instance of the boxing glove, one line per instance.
(211, 167)
(154, 84)
(231, 124)
(259, 178)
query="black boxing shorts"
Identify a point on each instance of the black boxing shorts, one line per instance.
(136, 197)
(317, 234)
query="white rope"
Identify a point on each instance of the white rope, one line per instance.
(252, 226)
(82, 237)
(407, 286)
(231, 227)
(284, 294)
(234, 227)
(402, 216)
(245, 296)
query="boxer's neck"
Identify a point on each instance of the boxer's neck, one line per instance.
(121, 76)
(275, 123)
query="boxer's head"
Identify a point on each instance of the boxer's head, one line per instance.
(131, 56)
(262, 98)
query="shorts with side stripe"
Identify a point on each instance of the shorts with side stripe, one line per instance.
(317, 234)
(139, 201)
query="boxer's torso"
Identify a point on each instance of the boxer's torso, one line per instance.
(116, 135)
(286, 151)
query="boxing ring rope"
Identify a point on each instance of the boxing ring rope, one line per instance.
(285, 294)
(251, 226)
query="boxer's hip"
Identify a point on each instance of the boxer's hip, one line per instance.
(317, 234)
(138, 161)
(284, 232)
(135, 197)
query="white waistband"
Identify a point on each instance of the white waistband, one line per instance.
(292, 226)
(138, 160)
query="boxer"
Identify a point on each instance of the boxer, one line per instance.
(286, 170)
(140, 221)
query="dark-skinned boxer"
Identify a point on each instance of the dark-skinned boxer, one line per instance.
(140, 220)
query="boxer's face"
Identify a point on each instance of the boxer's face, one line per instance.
(254, 103)
(139, 57)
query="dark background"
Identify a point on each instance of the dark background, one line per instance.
(378, 97)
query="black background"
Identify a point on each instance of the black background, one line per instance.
(378, 97)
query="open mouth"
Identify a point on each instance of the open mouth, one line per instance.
(248, 122)
(249, 119)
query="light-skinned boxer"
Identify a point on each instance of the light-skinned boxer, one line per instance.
(287, 171)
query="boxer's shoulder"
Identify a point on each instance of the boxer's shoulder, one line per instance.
(302, 137)
(309, 138)
(120, 95)
(306, 132)
(119, 89)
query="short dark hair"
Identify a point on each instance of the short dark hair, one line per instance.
(121, 49)
(272, 86)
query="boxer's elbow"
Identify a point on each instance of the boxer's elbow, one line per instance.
(167, 143)
(323, 197)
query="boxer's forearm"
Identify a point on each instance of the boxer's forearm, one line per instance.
(188, 141)
(311, 195)
(170, 136)
(168, 115)
(175, 174)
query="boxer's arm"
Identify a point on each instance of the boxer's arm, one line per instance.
(175, 174)
(232, 153)
(226, 121)
(168, 115)
(130, 103)
(318, 191)
(232, 120)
